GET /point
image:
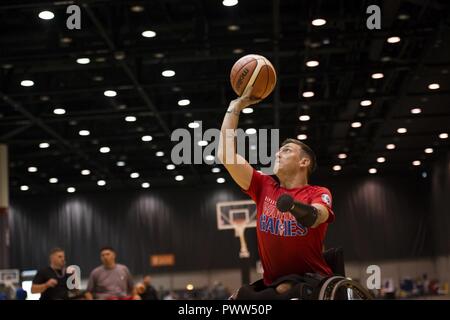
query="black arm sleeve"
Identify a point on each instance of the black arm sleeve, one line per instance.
(305, 214)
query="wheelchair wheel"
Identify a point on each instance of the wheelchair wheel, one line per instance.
(327, 287)
(354, 290)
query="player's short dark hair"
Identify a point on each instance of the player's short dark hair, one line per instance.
(306, 149)
(55, 250)
(107, 248)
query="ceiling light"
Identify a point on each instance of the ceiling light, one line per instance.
(44, 145)
(134, 175)
(312, 63)
(83, 60)
(110, 93)
(183, 102)
(443, 135)
(372, 170)
(32, 169)
(168, 73)
(308, 94)
(137, 8)
(416, 163)
(59, 111)
(147, 138)
(105, 149)
(149, 34)
(381, 159)
(433, 86)
(337, 168)
(202, 143)
(342, 156)
(193, 125)
(318, 22)
(304, 118)
(130, 118)
(215, 170)
(402, 130)
(390, 146)
(393, 39)
(302, 137)
(24, 188)
(53, 180)
(356, 124)
(247, 110)
(27, 83)
(120, 163)
(229, 3)
(170, 167)
(233, 27)
(238, 51)
(209, 157)
(220, 180)
(145, 185)
(71, 190)
(253, 147)
(250, 131)
(46, 15)
(429, 150)
(179, 178)
(101, 183)
(85, 172)
(416, 111)
(365, 103)
(159, 154)
(377, 75)
(84, 133)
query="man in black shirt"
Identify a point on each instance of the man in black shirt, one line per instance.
(146, 290)
(51, 282)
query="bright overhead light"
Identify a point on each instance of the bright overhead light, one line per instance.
(168, 73)
(149, 34)
(433, 86)
(233, 27)
(202, 143)
(429, 150)
(53, 180)
(209, 157)
(120, 163)
(32, 169)
(356, 124)
(137, 8)
(238, 51)
(44, 145)
(312, 63)
(134, 175)
(247, 110)
(342, 156)
(101, 183)
(416, 163)
(220, 180)
(170, 167)
(308, 94)
(110, 93)
(215, 170)
(24, 188)
(183, 102)
(105, 149)
(130, 118)
(337, 168)
(393, 39)
(179, 178)
(229, 3)
(304, 118)
(59, 111)
(145, 185)
(318, 22)
(85, 172)
(71, 190)
(381, 159)
(83, 60)
(27, 83)
(377, 75)
(159, 154)
(253, 147)
(84, 133)
(46, 15)
(194, 125)
(365, 103)
(147, 138)
(372, 170)
(443, 135)
(250, 131)
(302, 137)
(402, 130)
(390, 146)
(416, 111)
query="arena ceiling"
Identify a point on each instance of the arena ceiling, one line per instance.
(200, 40)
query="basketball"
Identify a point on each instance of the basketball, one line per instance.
(253, 70)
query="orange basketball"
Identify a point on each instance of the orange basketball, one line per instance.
(253, 70)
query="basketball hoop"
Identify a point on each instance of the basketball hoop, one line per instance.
(239, 228)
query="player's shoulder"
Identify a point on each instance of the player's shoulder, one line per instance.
(318, 189)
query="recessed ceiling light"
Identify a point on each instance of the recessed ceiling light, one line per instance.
(59, 111)
(253, 147)
(145, 185)
(53, 180)
(304, 118)
(83, 60)
(24, 188)
(101, 183)
(416, 163)
(137, 8)
(302, 137)
(238, 51)
(342, 156)
(149, 34)
(337, 168)
(170, 166)
(134, 175)
(312, 63)
(46, 15)
(402, 130)
(105, 149)
(403, 16)
(416, 111)
(209, 157)
(365, 103)
(147, 138)
(372, 170)
(247, 110)
(250, 131)
(318, 22)
(85, 172)
(202, 143)
(220, 180)
(429, 150)
(215, 170)
(120, 163)
(168, 73)
(84, 133)
(66, 40)
(381, 159)
(110, 93)
(393, 39)
(356, 124)
(179, 178)
(233, 27)
(44, 145)
(308, 94)
(433, 86)
(443, 135)
(183, 102)
(159, 154)
(229, 3)
(32, 169)
(71, 190)
(27, 83)
(194, 125)
(377, 75)
(390, 146)
(130, 118)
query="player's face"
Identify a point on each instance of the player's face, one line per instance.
(289, 159)
(58, 259)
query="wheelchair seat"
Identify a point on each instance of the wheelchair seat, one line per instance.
(334, 257)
